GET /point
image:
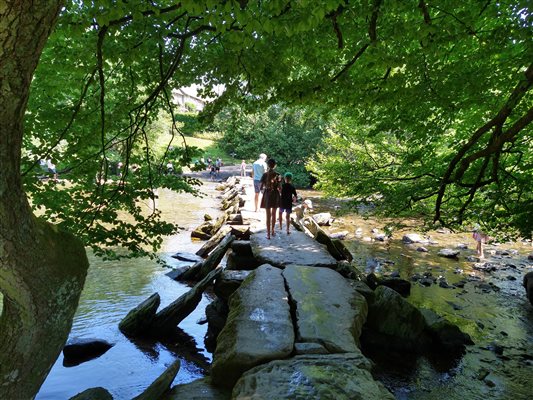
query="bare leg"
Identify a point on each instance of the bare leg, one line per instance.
(256, 201)
(280, 219)
(288, 220)
(273, 221)
(268, 217)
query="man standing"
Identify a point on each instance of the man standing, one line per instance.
(259, 167)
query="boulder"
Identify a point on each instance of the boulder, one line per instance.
(528, 284)
(323, 219)
(200, 389)
(401, 286)
(216, 314)
(237, 262)
(79, 351)
(242, 248)
(445, 334)
(413, 238)
(139, 320)
(241, 232)
(228, 282)
(363, 288)
(97, 393)
(339, 235)
(448, 253)
(328, 310)
(161, 384)
(259, 327)
(296, 248)
(394, 323)
(461, 246)
(312, 377)
(187, 257)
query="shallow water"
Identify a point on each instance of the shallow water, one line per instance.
(112, 289)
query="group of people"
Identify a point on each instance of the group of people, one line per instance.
(214, 167)
(277, 193)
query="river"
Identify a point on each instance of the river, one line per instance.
(498, 321)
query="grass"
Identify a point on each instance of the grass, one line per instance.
(210, 147)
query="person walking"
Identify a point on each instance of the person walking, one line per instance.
(271, 183)
(243, 168)
(288, 196)
(259, 167)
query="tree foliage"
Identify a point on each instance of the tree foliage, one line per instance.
(289, 136)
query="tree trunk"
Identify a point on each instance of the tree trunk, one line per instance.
(42, 270)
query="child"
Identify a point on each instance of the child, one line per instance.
(480, 238)
(288, 196)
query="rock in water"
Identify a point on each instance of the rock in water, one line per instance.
(413, 238)
(97, 393)
(259, 327)
(312, 377)
(446, 334)
(139, 320)
(401, 286)
(448, 253)
(323, 219)
(201, 389)
(161, 384)
(328, 310)
(81, 350)
(528, 284)
(394, 323)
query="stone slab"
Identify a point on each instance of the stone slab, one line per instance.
(328, 310)
(312, 377)
(201, 389)
(296, 248)
(258, 329)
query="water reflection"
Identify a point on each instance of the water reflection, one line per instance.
(112, 289)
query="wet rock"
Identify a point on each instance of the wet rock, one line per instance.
(485, 267)
(228, 282)
(359, 232)
(530, 256)
(460, 284)
(381, 237)
(342, 249)
(528, 285)
(510, 278)
(177, 273)
(242, 248)
(367, 239)
(427, 281)
(461, 246)
(422, 249)
(448, 253)
(241, 263)
(443, 283)
(97, 393)
(323, 219)
(487, 287)
(472, 259)
(139, 319)
(401, 286)
(482, 373)
(496, 348)
(216, 314)
(372, 281)
(327, 309)
(161, 384)
(187, 257)
(394, 323)
(363, 288)
(309, 348)
(79, 351)
(312, 377)
(348, 270)
(444, 333)
(259, 326)
(413, 238)
(456, 307)
(200, 389)
(339, 235)
(207, 217)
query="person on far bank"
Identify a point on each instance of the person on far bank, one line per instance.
(270, 181)
(288, 196)
(243, 168)
(259, 167)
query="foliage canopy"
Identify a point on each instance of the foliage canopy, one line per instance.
(432, 101)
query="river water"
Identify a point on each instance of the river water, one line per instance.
(498, 321)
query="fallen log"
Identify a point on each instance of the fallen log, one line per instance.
(168, 318)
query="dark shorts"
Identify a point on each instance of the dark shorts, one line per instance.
(287, 210)
(257, 186)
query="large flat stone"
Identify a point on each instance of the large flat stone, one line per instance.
(200, 389)
(259, 326)
(296, 248)
(328, 310)
(321, 377)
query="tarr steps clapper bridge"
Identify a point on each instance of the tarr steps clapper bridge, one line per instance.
(288, 315)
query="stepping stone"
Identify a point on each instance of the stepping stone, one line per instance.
(328, 310)
(312, 377)
(259, 327)
(296, 248)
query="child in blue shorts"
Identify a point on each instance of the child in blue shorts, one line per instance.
(288, 195)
